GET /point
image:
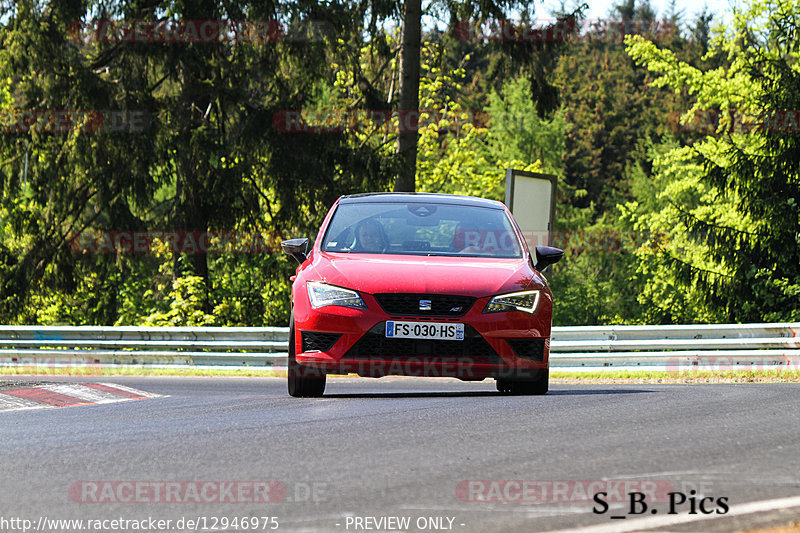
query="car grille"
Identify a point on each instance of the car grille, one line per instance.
(532, 349)
(315, 340)
(374, 344)
(441, 304)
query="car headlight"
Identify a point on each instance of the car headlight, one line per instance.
(322, 294)
(526, 301)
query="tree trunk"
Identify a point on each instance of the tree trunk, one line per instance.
(408, 111)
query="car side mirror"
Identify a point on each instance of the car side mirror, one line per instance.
(296, 248)
(546, 256)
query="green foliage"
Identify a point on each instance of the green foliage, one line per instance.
(735, 247)
(610, 119)
(597, 283)
(186, 300)
(661, 224)
(209, 158)
(456, 153)
(518, 133)
(675, 188)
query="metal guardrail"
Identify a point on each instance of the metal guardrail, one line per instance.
(678, 347)
(587, 348)
(130, 345)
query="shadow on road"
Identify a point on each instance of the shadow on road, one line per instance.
(467, 394)
(560, 392)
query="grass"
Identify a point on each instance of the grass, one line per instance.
(616, 376)
(696, 376)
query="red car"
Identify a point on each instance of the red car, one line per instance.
(420, 285)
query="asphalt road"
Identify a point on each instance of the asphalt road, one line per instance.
(442, 454)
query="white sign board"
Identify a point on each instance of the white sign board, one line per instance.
(531, 197)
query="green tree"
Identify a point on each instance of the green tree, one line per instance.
(518, 133)
(741, 257)
(455, 149)
(211, 157)
(512, 54)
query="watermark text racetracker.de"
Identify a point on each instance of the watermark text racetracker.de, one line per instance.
(203, 242)
(173, 31)
(733, 121)
(629, 496)
(143, 524)
(182, 242)
(566, 29)
(532, 491)
(35, 361)
(174, 492)
(769, 361)
(115, 492)
(57, 121)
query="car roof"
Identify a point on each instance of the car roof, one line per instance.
(419, 197)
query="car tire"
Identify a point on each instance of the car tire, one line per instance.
(302, 381)
(536, 387)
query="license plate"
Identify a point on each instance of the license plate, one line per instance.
(425, 330)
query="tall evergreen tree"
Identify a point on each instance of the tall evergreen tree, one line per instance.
(742, 250)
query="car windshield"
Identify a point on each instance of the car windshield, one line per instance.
(421, 229)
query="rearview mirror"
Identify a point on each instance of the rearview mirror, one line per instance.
(546, 256)
(296, 248)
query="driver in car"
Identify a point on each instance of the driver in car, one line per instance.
(370, 236)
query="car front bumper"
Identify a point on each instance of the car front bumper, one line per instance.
(343, 340)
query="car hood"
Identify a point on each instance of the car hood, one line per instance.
(467, 276)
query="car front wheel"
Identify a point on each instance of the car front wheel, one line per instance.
(304, 382)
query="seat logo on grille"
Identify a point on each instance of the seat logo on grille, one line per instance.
(424, 305)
